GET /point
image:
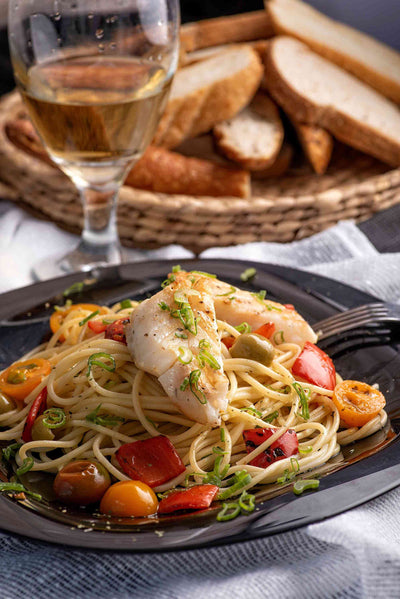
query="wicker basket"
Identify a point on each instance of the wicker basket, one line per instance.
(292, 207)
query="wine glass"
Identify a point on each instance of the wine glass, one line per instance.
(95, 77)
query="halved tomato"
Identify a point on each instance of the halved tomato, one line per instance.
(19, 379)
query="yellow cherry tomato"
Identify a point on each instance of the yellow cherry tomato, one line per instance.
(19, 379)
(58, 316)
(129, 498)
(357, 402)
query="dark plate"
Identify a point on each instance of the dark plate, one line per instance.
(369, 469)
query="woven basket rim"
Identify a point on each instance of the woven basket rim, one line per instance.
(162, 203)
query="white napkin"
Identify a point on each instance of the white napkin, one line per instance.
(343, 253)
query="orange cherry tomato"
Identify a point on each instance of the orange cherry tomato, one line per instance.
(357, 402)
(82, 482)
(19, 379)
(129, 498)
(58, 316)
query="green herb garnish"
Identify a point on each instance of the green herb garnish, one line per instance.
(164, 306)
(93, 361)
(54, 418)
(305, 412)
(252, 411)
(271, 417)
(304, 485)
(185, 355)
(248, 274)
(126, 303)
(26, 465)
(103, 420)
(277, 335)
(206, 357)
(232, 290)
(176, 268)
(85, 320)
(8, 453)
(243, 328)
(194, 386)
(240, 479)
(260, 296)
(203, 274)
(18, 488)
(181, 335)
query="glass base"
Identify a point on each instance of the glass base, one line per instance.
(84, 258)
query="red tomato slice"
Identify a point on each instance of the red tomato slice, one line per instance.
(97, 326)
(266, 330)
(315, 366)
(116, 330)
(38, 406)
(199, 497)
(153, 461)
(286, 446)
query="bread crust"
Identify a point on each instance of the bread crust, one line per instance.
(299, 107)
(158, 170)
(363, 70)
(317, 144)
(225, 30)
(197, 112)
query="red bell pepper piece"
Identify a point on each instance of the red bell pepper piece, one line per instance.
(116, 330)
(284, 447)
(289, 306)
(97, 326)
(199, 497)
(315, 366)
(228, 341)
(38, 406)
(153, 461)
(266, 330)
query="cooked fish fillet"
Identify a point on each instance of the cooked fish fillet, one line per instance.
(174, 336)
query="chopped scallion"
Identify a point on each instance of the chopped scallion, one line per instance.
(305, 485)
(18, 488)
(126, 303)
(305, 412)
(27, 465)
(243, 328)
(93, 361)
(248, 274)
(54, 418)
(92, 315)
(185, 355)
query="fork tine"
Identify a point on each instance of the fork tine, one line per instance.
(352, 321)
(372, 310)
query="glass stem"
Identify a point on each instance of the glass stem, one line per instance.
(100, 236)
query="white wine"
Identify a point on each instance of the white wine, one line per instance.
(91, 110)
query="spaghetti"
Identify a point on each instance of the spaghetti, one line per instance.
(108, 402)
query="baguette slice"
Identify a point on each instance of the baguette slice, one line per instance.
(371, 61)
(163, 171)
(205, 93)
(253, 137)
(317, 144)
(259, 46)
(316, 92)
(158, 170)
(226, 30)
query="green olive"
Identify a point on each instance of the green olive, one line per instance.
(6, 404)
(253, 347)
(41, 432)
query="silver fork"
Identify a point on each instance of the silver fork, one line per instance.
(363, 316)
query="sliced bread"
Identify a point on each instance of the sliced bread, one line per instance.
(317, 144)
(253, 137)
(314, 91)
(371, 61)
(225, 30)
(205, 93)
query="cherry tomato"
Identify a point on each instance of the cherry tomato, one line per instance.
(129, 498)
(315, 366)
(19, 379)
(116, 330)
(357, 402)
(82, 482)
(58, 317)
